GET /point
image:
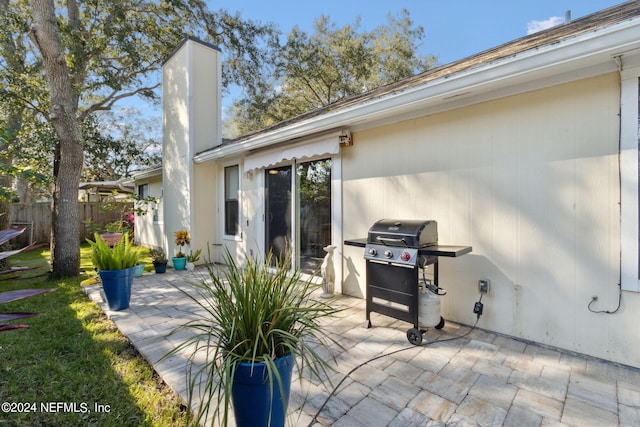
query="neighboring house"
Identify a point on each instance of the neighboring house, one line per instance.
(149, 229)
(528, 152)
(99, 191)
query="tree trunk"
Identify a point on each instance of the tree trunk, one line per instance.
(65, 229)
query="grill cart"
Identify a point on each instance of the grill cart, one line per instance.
(397, 253)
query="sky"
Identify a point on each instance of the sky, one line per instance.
(454, 29)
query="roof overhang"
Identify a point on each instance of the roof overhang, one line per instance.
(588, 54)
(146, 174)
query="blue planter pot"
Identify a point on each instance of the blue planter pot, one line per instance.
(179, 263)
(117, 287)
(138, 270)
(160, 268)
(251, 394)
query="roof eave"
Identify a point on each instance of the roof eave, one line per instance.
(587, 54)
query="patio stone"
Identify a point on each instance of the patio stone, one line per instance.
(479, 379)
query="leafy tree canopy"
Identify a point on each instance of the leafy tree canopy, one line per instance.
(113, 51)
(66, 61)
(316, 70)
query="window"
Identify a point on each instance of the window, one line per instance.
(143, 190)
(231, 205)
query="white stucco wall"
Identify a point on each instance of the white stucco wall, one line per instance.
(532, 183)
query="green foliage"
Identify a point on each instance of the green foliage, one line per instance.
(157, 256)
(316, 70)
(97, 53)
(194, 256)
(122, 255)
(116, 144)
(73, 353)
(251, 314)
(182, 238)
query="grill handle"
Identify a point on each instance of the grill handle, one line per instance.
(389, 240)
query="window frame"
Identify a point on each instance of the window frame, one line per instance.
(227, 201)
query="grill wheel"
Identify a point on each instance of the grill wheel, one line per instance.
(414, 336)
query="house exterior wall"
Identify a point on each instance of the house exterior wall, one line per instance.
(191, 102)
(205, 207)
(530, 181)
(149, 232)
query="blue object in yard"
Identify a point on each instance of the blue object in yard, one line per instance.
(117, 287)
(251, 393)
(138, 270)
(179, 263)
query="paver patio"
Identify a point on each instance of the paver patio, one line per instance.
(479, 379)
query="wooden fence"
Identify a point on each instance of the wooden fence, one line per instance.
(36, 217)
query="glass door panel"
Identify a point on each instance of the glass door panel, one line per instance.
(278, 211)
(314, 213)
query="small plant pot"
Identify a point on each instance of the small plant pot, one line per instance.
(179, 263)
(191, 266)
(138, 270)
(117, 287)
(160, 267)
(112, 239)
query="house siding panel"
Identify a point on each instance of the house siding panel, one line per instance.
(531, 182)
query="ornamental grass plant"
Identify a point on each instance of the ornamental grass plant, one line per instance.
(253, 313)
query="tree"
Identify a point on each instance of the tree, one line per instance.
(94, 54)
(12, 53)
(119, 143)
(317, 70)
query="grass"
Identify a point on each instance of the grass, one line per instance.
(72, 360)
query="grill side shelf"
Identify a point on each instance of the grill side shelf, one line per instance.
(360, 243)
(434, 250)
(445, 250)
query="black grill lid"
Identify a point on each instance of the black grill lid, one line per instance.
(408, 233)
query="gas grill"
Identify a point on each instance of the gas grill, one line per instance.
(396, 252)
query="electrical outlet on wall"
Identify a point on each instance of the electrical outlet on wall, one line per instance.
(483, 286)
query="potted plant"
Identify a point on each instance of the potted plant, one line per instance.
(115, 266)
(192, 258)
(257, 322)
(138, 270)
(158, 259)
(112, 233)
(182, 239)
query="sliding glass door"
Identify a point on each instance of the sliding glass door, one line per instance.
(309, 222)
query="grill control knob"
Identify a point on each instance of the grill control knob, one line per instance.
(373, 252)
(405, 256)
(388, 254)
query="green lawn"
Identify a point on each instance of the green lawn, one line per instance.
(72, 366)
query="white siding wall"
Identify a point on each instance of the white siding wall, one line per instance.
(531, 182)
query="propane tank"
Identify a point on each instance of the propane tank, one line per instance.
(428, 308)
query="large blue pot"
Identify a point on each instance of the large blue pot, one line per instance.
(117, 287)
(251, 394)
